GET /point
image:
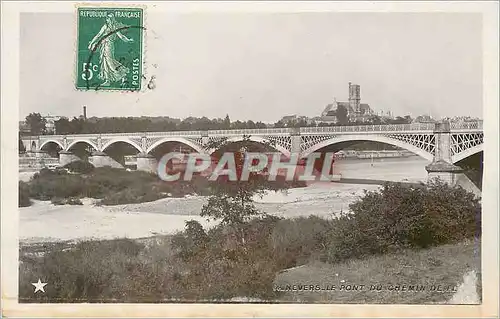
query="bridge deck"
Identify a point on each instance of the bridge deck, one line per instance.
(393, 128)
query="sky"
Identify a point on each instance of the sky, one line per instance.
(263, 66)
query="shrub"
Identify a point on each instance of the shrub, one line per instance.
(90, 271)
(398, 216)
(295, 241)
(66, 201)
(217, 260)
(114, 186)
(228, 267)
(82, 167)
(58, 201)
(24, 195)
(191, 241)
(48, 184)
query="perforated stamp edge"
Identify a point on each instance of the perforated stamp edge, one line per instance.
(144, 79)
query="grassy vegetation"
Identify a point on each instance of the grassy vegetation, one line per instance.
(82, 167)
(396, 217)
(66, 201)
(444, 266)
(111, 185)
(397, 235)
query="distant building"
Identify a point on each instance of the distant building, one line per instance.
(24, 128)
(460, 119)
(291, 119)
(50, 126)
(356, 111)
(424, 119)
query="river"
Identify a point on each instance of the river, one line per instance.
(45, 222)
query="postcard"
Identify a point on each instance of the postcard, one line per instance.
(249, 159)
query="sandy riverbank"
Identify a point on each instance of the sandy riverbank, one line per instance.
(46, 222)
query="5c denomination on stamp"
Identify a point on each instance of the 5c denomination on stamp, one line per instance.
(110, 48)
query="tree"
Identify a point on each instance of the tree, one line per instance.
(279, 124)
(301, 123)
(408, 119)
(251, 124)
(342, 114)
(260, 125)
(36, 123)
(231, 202)
(227, 122)
(77, 125)
(236, 125)
(63, 126)
(375, 120)
(398, 120)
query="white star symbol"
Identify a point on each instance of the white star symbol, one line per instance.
(39, 286)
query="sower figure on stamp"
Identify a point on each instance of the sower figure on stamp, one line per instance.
(110, 69)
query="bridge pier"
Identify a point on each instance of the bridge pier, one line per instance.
(295, 141)
(444, 171)
(204, 138)
(146, 163)
(66, 157)
(425, 139)
(101, 159)
(442, 167)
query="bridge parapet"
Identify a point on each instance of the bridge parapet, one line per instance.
(423, 127)
(462, 139)
(467, 126)
(414, 127)
(264, 131)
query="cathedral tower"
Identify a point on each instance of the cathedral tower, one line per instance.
(354, 97)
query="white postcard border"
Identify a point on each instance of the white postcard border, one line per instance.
(9, 176)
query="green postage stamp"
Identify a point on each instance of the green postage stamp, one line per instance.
(110, 48)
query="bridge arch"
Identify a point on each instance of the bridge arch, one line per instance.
(257, 139)
(187, 142)
(73, 143)
(373, 138)
(51, 141)
(468, 152)
(123, 140)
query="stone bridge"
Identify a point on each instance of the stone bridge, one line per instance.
(442, 144)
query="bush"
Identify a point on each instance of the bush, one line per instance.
(398, 216)
(91, 271)
(58, 201)
(123, 270)
(48, 184)
(191, 241)
(82, 167)
(242, 260)
(217, 260)
(227, 266)
(295, 241)
(114, 186)
(138, 194)
(24, 195)
(66, 201)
